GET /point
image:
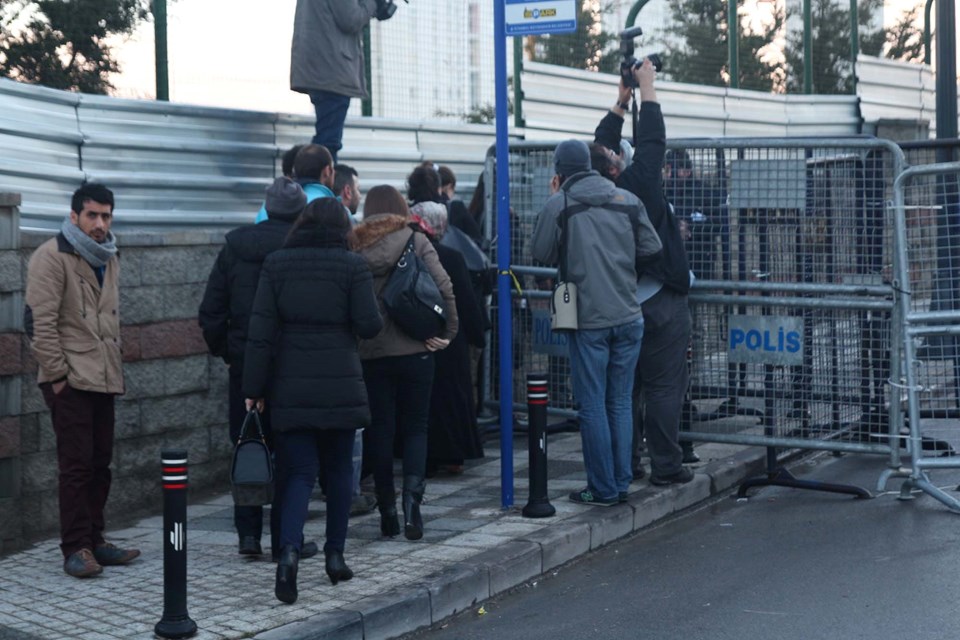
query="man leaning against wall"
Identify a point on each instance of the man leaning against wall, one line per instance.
(73, 321)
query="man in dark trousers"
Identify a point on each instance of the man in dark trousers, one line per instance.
(73, 322)
(224, 317)
(663, 289)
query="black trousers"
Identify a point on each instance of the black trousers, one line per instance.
(398, 389)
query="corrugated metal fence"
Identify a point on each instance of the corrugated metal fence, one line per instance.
(173, 164)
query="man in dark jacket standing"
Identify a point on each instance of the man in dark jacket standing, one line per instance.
(663, 288)
(225, 316)
(326, 60)
(602, 238)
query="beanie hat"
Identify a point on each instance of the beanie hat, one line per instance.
(570, 157)
(285, 198)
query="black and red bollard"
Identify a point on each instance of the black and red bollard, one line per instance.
(176, 622)
(538, 505)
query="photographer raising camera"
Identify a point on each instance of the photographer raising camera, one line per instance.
(326, 59)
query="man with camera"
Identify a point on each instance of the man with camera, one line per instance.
(663, 289)
(326, 59)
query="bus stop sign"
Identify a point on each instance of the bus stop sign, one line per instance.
(525, 18)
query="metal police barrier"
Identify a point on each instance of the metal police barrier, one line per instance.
(176, 622)
(928, 242)
(795, 325)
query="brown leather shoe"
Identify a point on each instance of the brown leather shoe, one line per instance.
(109, 554)
(82, 564)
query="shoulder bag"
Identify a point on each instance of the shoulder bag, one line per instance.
(563, 303)
(412, 298)
(251, 475)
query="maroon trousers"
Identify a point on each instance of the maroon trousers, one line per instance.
(83, 423)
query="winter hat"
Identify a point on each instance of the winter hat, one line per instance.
(570, 157)
(285, 198)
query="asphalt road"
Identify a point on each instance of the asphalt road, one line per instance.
(785, 564)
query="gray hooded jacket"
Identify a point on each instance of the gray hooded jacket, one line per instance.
(605, 249)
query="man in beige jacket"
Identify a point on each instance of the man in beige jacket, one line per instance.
(73, 323)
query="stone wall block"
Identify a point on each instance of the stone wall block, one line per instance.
(39, 472)
(48, 437)
(28, 364)
(174, 413)
(10, 265)
(139, 305)
(130, 267)
(29, 433)
(126, 419)
(10, 484)
(183, 375)
(41, 514)
(31, 400)
(182, 300)
(10, 360)
(143, 379)
(11, 311)
(10, 436)
(177, 265)
(10, 528)
(130, 339)
(171, 339)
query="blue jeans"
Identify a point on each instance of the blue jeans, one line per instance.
(331, 110)
(300, 454)
(602, 362)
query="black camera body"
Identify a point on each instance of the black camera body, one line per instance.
(629, 62)
(385, 9)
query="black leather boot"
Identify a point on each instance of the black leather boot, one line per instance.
(389, 523)
(337, 568)
(286, 588)
(412, 497)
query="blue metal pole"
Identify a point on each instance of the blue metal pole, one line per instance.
(504, 282)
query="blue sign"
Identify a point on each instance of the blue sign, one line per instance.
(544, 339)
(531, 18)
(775, 340)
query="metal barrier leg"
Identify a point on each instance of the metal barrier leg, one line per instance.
(778, 476)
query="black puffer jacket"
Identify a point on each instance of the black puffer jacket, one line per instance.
(314, 299)
(228, 299)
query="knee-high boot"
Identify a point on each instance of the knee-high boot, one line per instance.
(413, 487)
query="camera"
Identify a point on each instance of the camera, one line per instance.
(629, 62)
(386, 9)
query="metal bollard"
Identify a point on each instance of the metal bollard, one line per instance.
(176, 622)
(538, 505)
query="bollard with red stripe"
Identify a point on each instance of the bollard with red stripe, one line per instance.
(538, 505)
(176, 622)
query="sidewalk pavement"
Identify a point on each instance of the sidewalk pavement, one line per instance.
(471, 550)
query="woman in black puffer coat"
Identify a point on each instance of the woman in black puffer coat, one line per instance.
(314, 300)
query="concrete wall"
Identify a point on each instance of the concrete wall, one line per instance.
(176, 395)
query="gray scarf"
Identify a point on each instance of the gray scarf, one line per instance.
(96, 253)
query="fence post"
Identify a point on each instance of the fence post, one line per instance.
(538, 506)
(176, 622)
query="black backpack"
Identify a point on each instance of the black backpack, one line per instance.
(412, 299)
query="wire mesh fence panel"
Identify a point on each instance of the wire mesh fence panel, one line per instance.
(792, 313)
(920, 152)
(931, 203)
(794, 323)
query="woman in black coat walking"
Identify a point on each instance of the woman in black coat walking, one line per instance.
(314, 299)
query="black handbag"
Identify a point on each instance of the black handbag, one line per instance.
(412, 299)
(251, 475)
